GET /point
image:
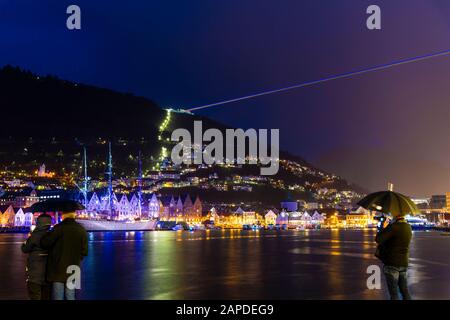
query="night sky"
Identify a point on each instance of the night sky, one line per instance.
(390, 125)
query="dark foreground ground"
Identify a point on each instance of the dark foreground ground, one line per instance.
(326, 264)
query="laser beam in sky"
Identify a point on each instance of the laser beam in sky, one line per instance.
(330, 78)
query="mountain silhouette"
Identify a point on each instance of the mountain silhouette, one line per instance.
(48, 120)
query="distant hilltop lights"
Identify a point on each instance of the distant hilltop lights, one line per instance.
(42, 173)
(185, 152)
(179, 110)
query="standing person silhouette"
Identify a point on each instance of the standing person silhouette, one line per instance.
(37, 286)
(67, 245)
(393, 250)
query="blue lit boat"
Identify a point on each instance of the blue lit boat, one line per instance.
(419, 223)
(112, 225)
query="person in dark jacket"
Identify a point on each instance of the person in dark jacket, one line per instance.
(393, 250)
(67, 244)
(37, 286)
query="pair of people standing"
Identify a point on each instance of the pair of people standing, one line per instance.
(52, 254)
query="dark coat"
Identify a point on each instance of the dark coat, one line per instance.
(37, 258)
(67, 244)
(393, 243)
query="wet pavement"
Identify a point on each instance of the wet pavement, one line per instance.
(235, 264)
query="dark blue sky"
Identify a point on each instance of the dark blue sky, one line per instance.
(389, 125)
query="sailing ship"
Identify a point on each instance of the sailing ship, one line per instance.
(108, 219)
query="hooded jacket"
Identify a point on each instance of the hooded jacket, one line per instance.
(393, 243)
(37, 258)
(67, 244)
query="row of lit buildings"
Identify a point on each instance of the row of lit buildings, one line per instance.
(131, 206)
(357, 219)
(15, 217)
(14, 209)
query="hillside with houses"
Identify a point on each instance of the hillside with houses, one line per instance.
(56, 135)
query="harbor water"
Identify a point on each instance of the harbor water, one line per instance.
(237, 264)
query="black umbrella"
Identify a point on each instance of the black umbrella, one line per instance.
(391, 202)
(54, 205)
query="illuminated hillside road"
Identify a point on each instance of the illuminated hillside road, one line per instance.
(236, 264)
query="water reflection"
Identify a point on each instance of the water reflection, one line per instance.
(236, 264)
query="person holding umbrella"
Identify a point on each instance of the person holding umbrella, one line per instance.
(66, 243)
(37, 285)
(393, 238)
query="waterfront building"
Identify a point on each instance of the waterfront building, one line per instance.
(232, 220)
(167, 205)
(135, 208)
(22, 218)
(312, 206)
(23, 198)
(282, 219)
(106, 202)
(295, 219)
(26, 201)
(123, 208)
(48, 194)
(332, 221)
(7, 216)
(438, 218)
(421, 201)
(179, 209)
(302, 204)
(192, 210)
(334, 218)
(444, 219)
(188, 207)
(19, 219)
(153, 207)
(94, 204)
(198, 208)
(289, 205)
(306, 218)
(439, 202)
(298, 219)
(213, 216)
(127, 208)
(249, 218)
(29, 219)
(223, 220)
(361, 218)
(317, 218)
(245, 217)
(130, 207)
(8, 199)
(447, 201)
(270, 218)
(422, 204)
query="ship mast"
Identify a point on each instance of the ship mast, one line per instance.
(85, 184)
(140, 184)
(110, 187)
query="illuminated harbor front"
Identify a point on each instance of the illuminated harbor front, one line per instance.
(236, 264)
